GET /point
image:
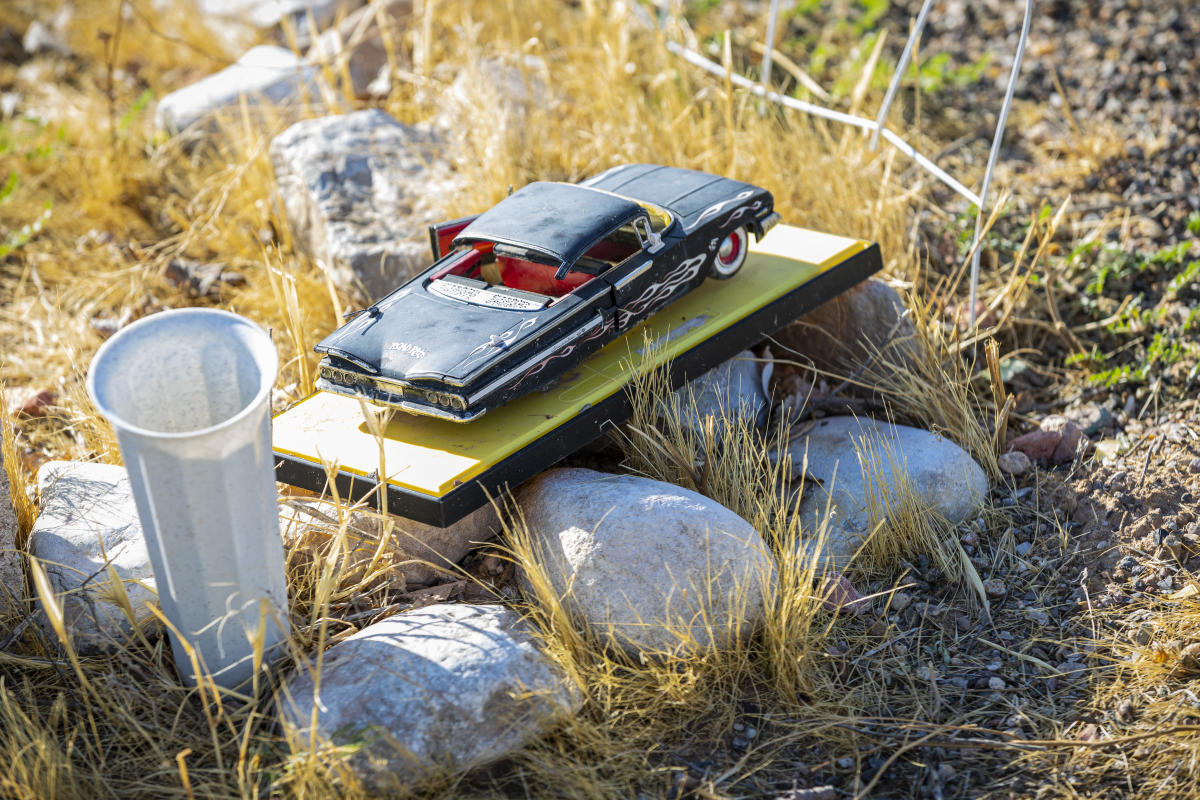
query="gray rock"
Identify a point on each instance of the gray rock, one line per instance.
(265, 74)
(1090, 418)
(656, 567)
(270, 16)
(88, 522)
(359, 190)
(415, 554)
(357, 45)
(731, 389)
(40, 38)
(940, 472)
(12, 577)
(837, 332)
(441, 689)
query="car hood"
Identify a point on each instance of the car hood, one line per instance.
(418, 335)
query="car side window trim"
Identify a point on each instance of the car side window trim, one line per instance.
(651, 241)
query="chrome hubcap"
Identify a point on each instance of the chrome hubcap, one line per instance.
(728, 249)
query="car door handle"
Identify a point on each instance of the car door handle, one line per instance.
(634, 274)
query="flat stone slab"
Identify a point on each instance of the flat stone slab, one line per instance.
(359, 193)
(88, 523)
(265, 74)
(440, 689)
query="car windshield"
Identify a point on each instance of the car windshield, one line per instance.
(660, 218)
(525, 253)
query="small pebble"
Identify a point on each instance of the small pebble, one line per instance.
(30, 401)
(1194, 466)
(996, 684)
(901, 601)
(1023, 548)
(1014, 463)
(1174, 545)
(994, 587)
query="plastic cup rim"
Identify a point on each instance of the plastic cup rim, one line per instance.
(119, 423)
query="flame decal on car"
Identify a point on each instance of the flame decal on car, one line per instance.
(566, 351)
(657, 294)
(712, 211)
(498, 342)
(741, 212)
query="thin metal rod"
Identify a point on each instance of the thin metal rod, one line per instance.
(768, 51)
(898, 75)
(694, 58)
(995, 152)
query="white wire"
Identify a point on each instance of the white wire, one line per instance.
(991, 162)
(898, 75)
(769, 50)
(694, 58)
(877, 126)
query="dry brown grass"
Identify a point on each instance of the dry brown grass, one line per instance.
(638, 705)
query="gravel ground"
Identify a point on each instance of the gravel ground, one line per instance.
(1122, 65)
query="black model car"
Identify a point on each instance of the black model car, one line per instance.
(528, 289)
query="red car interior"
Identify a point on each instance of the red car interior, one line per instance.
(530, 276)
(612, 251)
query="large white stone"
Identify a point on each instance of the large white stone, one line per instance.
(12, 578)
(415, 553)
(359, 191)
(657, 567)
(265, 74)
(87, 522)
(835, 456)
(443, 688)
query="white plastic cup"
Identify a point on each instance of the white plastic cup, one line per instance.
(188, 393)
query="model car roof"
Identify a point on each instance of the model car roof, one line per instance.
(560, 220)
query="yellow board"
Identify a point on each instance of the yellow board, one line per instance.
(432, 457)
